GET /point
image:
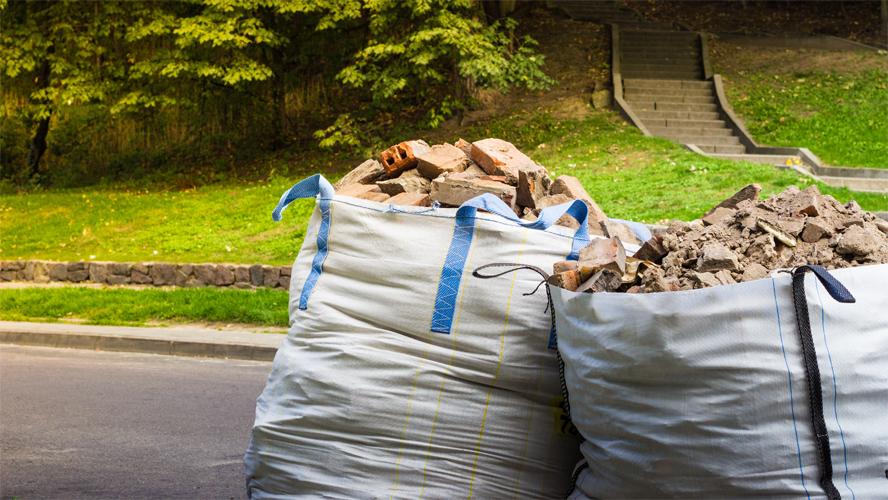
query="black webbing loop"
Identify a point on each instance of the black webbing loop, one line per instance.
(812, 371)
(565, 401)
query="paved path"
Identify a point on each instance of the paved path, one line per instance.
(175, 340)
(83, 424)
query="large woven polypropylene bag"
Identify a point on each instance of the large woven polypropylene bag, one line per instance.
(398, 378)
(771, 388)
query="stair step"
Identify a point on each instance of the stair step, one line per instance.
(629, 65)
(858, 183)
(703, 140)
(660, 59)
(682, 115)
(660, 94)
(736, 150)
(660, 47)
(775, 160)
(642, 83)
(694, 123)
(651, 101)
(722, 131)
(664, 75)
(658, 35)
(674, 106)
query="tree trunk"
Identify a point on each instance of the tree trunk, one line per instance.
(38, 141)
(885, 22)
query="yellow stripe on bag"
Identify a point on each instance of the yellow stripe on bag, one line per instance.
(453, 333)
(499, 365)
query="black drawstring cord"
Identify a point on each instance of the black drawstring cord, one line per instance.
(568, 427)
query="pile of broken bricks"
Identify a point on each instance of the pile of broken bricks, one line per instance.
(413, 173)
(741, 239)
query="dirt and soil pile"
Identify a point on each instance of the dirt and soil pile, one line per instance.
(415, 174)
(741, 239)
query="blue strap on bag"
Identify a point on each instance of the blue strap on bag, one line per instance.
(454, 263)
(314, 186)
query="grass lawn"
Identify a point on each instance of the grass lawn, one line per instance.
(631, 176)
(833, 102)
(121, 306)
(842, 118)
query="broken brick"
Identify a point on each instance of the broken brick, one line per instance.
(533, 185)
(464, 146)
(568, 280)
(410, 199)
(457, 189)
(401, 157)
(806, 202)
(815, 229)
(409, 182)
(718, 215)
(603, 253)
(358, 190)
(441, 158)
(498, 157)
(571, 186)
(564, 265)
(652, 250)
(365, 173)
(378, 197)
(749, 192)
(715, 257)
(614, 229)
(605, 280)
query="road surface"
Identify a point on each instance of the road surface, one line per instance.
(85, 424)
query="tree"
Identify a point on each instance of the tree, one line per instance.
(885, 22)
(422, 56)
(432, 54)
(59, 52)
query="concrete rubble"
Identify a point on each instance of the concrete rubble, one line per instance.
(412, 173)
(741, 239)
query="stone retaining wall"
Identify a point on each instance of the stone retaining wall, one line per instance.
(147, 273)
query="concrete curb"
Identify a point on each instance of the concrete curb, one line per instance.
(193, 342)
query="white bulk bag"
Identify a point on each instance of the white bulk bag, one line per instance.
(398, 378)
(706, 394)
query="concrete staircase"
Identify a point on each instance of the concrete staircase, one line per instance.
(664, 82)
(663, 85)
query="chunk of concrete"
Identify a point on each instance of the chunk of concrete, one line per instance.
(571, 186)
(410, 181)
(439, 159)
(365, 173)
(457, 189)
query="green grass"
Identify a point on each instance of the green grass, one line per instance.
(631, 176)
(106, 306)
(842, 118)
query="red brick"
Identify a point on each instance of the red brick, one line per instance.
(401, 157)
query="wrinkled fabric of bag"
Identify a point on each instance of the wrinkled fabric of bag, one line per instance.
(702, 393)
(364, 401)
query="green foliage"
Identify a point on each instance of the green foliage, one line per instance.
(229, 67)
(840, 117)
(107, 306)
(431, 53)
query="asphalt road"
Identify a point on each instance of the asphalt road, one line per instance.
(84, 424)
